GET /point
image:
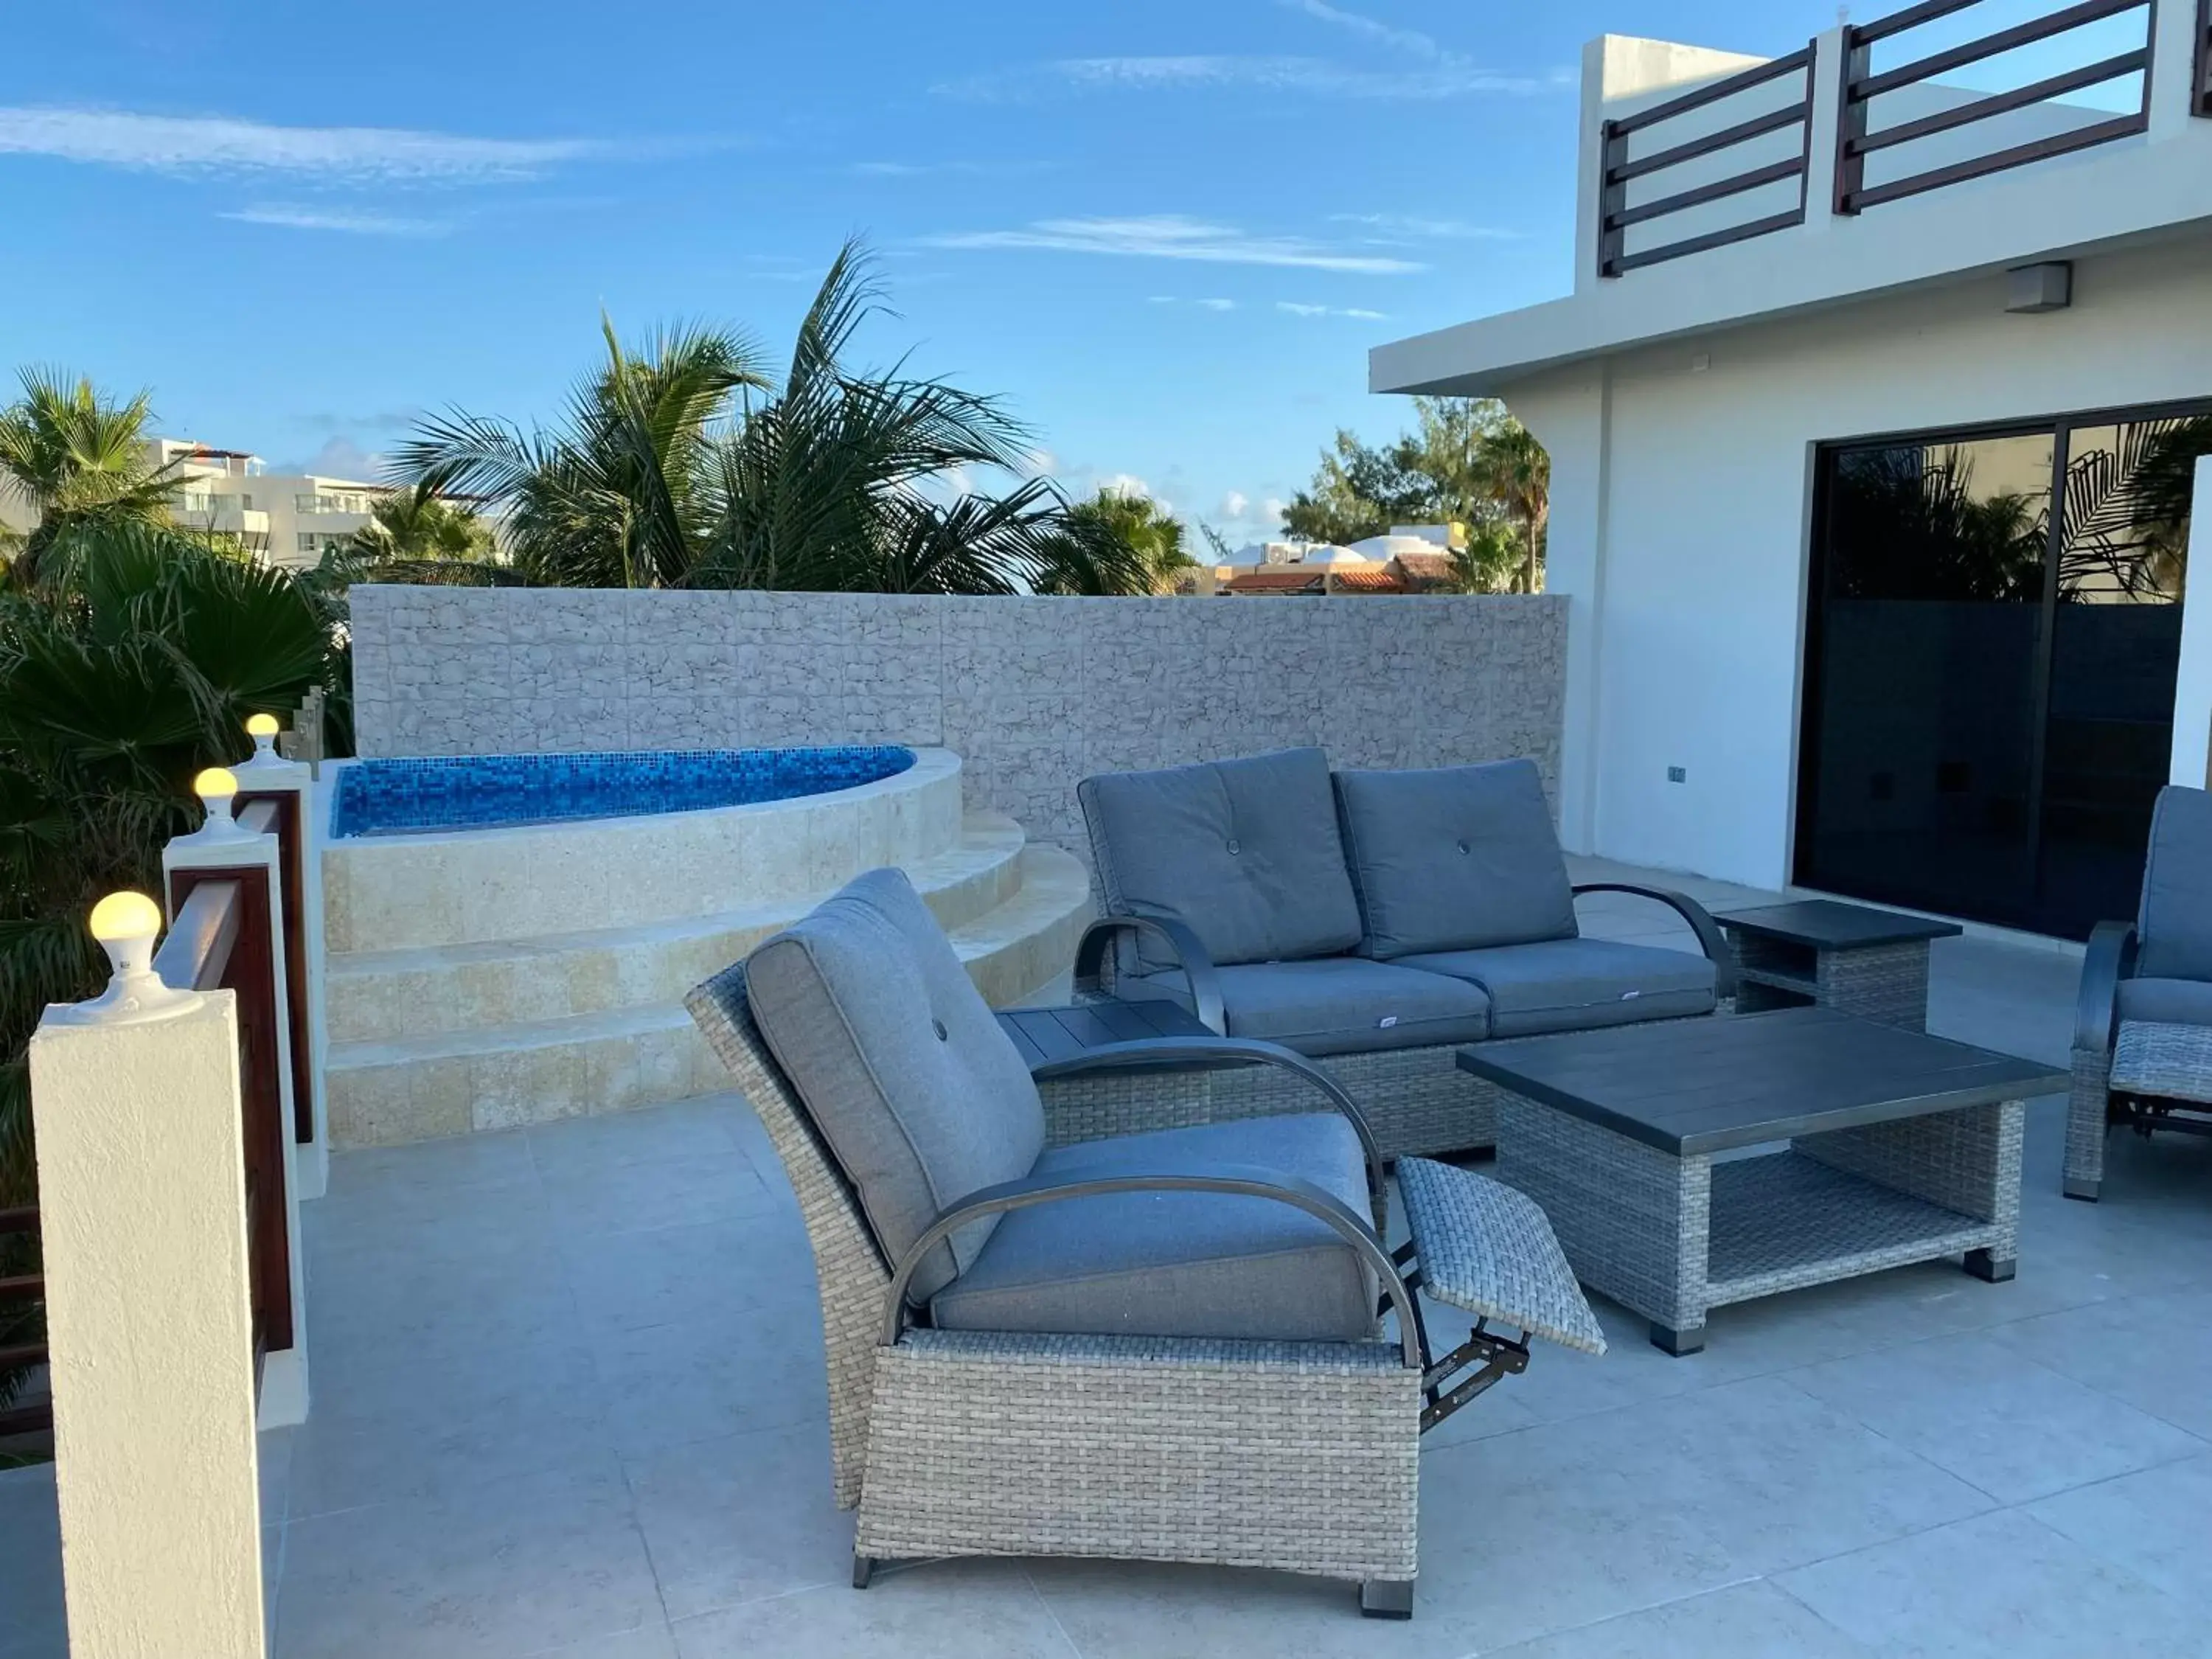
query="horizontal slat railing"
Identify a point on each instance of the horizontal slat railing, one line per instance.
(18, 1290)
(1619, 169)
(1858, 138)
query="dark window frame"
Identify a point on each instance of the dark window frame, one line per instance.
(2061, 428)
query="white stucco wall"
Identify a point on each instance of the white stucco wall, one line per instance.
(1682, 506)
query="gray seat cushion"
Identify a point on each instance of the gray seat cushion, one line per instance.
(1180, 1264)
(1244, 852)
(2167, 1001)
(1578, 984)
(921, 1096)
(1341, 1005)
(1454, 860)
(2175, 920)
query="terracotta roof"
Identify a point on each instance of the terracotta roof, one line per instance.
(1425, 567)
(1369, 581)
(1294, 579)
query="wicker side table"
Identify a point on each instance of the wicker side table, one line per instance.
(1904, 1148)
(1851, 957)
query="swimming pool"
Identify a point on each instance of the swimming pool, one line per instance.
(412, 797)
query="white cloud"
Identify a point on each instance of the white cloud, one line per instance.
(358, 224)
(1219, 305)
(1439, 229)
(1175, 236)
(339, 457)
(1450, 77)
(1298, 308)
(1407, 40)
(213, 143)
(1233, 505)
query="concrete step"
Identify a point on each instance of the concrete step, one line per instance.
(386, 996)
(497, 1076)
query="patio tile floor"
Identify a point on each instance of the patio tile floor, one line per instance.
(569, 1401)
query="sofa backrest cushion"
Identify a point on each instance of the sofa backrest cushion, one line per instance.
(1244, 852)
(2175, 922)
(919, 1096)
(1457, 858)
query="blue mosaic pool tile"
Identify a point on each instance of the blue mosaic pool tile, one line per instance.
(398, 796)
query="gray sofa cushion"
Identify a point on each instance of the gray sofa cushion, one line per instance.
(1245, 852)
(1342, 1005)
(1180, 1264)
(1578, 984)
(922, 1097)
(1454, 860)
(2167, 1001)
(2175, 920)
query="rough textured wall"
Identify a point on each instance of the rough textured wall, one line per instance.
(1034, 693)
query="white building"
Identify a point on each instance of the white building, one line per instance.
(292, 519)
(1854, 414)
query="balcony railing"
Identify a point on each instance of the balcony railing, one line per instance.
(1856, 141)
(22, 1298)
(221, 939)
(1901, 129)
(1617, 215)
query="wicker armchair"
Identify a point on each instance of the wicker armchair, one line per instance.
(2143, 1029)
(1280, 1449)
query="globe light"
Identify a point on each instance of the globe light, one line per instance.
(126, 925)
(215, 788)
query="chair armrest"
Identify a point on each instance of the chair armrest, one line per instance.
(1231, 1051)
(1715, 943)
(2110, 958)
(1198, 970)
(1240, 1180)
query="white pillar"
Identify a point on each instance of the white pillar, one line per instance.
(2193, 686)
(2173, 72)
(142, 1195)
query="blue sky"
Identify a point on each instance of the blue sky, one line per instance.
(1166, 234)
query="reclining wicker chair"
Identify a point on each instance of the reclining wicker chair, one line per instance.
(2142, 1033)
(1170, 1346)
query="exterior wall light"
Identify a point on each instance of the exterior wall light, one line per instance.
(2031, 290)
(215, 788)
(126, 925)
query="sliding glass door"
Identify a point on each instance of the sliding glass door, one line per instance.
(1992, 639)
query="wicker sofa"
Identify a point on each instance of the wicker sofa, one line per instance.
(1376, 920)
(2143, 1029)
(1185, 1343)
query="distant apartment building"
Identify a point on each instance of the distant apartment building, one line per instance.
(290, 519)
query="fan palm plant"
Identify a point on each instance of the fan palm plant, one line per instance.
(71, 457)
(685, 466)
(132, 661)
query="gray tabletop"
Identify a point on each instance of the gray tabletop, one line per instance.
(1693, 1086)
(1831, 925)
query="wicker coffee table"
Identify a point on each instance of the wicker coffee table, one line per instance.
(1903, 1148)
(1851, 957)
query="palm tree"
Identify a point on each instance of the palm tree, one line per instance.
(132, 662)
(418, 525)
(685, 466)
(1519, 475)
(72, 457)
(1123, 543)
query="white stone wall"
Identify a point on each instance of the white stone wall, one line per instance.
(1033, 694)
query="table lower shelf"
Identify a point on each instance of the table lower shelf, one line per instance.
(1782, 1221)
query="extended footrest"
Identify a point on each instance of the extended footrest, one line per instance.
(1481, 1247)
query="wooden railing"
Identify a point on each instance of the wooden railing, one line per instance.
(1856, 140)
(18, 1291)
(1620, 169)
(288, 826)
(221, 939)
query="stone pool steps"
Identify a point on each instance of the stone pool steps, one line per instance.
(390, 996)
(499, 1075)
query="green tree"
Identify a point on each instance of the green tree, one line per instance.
(1142, 547)
(418, 525)
(131, 661)
(72, 457)
(1467, 463)
(686, 465)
